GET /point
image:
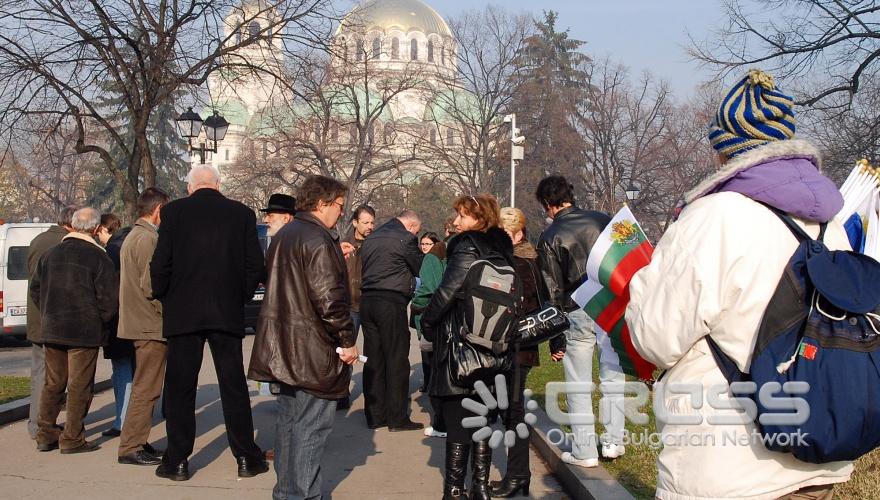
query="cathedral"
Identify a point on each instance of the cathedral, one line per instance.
(386, 92)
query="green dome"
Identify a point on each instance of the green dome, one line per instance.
(454, 106)
(232, 110)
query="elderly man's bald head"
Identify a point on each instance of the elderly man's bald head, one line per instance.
(202, 176)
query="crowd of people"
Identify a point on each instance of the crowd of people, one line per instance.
(153, 295)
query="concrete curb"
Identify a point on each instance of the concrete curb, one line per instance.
(580, 483)
(20, 408)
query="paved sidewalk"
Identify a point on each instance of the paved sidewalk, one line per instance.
(358, 463)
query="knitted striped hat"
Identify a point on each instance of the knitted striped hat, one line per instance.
(753, 113)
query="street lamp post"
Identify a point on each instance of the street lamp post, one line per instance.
(632, 192)
(190, 124)
(516, 153)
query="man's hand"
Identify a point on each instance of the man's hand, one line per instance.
(349, 355)
(347, 249)
(557, 356)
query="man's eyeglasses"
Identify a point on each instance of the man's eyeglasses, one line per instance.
(341, 205)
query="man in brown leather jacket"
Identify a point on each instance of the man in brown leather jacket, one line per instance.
(304, 319)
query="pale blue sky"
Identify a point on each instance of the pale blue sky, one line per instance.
(643, 34)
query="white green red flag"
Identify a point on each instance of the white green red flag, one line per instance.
(620, 251)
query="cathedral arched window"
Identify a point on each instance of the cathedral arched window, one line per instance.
(413, 49)
(388, 134)
(359, 51)
(450, 137)
(442, 55)
(238, 30)
(254, 30)
(430, 51)
(433, 136)
(377, 48)
(334, 132)
(371, 134)
(344, 44)
(352, 133)
(395, 48)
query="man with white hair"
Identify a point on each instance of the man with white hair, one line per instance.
(75, 288)
(206, 265)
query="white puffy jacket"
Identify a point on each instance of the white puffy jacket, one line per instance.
(713, 272)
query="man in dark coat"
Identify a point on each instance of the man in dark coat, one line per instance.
(76, 289)
(391, 261)
(206, 266)
(38, 247)
(304, 320)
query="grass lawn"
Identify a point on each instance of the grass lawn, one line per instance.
(12, 388)
(636, 470)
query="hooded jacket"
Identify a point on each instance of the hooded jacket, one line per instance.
(713, 273)
(306, 312)
(444, 313)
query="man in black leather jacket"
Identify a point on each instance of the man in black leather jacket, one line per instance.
(562, 256)
(391, 261)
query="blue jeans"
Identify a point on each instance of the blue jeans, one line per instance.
(356, 321)
(123, 374)
(578, 365)
(304, 422)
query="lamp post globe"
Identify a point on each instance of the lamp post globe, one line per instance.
(189, 124)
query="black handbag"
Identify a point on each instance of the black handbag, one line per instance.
(469, 363)
(543, 325)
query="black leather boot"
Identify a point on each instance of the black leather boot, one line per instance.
(509, 487)
(456, 470)
(482, 464)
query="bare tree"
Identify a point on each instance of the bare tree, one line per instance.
(466, 133)
(57, 59)
(339, 123)
(833, 41)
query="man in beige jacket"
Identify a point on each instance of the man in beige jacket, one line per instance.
(140, 320)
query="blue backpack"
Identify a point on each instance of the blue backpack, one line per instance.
(821, 327)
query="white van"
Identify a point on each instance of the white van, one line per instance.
(14, 242)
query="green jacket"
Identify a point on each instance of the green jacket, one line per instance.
(430, 275)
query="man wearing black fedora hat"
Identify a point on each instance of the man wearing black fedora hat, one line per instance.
(278, 212)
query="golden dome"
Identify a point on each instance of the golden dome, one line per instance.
(405, 15)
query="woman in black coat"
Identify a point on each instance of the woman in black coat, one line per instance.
(479, 237)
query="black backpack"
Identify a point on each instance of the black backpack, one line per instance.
(490, 297)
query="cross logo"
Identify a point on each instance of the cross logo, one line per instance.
(491, 402)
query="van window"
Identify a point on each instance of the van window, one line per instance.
(16, 263)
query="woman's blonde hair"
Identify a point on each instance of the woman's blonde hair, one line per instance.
(482, 207)
(513, 220)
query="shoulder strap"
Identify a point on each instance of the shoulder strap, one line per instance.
(725, 364)
(793, 226)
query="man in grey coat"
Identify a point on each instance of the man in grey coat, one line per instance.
(38, 247)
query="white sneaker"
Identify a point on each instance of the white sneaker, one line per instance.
(613, 451)
(431, 433)
(568, 458)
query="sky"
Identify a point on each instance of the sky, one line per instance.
(642, 34)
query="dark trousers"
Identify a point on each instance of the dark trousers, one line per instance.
(181, 379)
(386, 373)
(518, 456)
(145, 391)
(453, 413)
(437, 420)
(72, 368)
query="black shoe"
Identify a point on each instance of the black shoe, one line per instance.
(179, 472)
(249, 467)
(147, 447)
(139, 457)
(423, 389)
(47, 446)
(507, 488)
(112, 432)
(379, 425)
(409, 425)
(481, 463)
(83, 448)
(343, 404)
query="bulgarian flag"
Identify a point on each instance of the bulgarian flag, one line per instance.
(621, 250)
